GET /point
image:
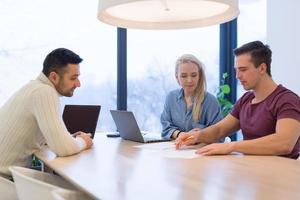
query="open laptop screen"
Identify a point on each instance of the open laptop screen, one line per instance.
(129, 129)
(81, 118)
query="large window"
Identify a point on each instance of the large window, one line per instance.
(252, 25)
(151, 67)
(152, 54)
(31, 29)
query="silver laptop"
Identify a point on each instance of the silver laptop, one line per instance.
(129, 129)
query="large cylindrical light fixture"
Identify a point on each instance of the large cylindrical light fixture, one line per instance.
(166, 14)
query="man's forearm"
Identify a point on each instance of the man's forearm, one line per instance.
(219, 130)
(268, 145)
(210, 134)
(279, 143)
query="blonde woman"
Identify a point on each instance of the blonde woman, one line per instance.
(191, 107)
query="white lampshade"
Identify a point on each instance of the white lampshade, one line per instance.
(166, 14)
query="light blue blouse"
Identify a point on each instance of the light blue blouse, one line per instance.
(176, 116)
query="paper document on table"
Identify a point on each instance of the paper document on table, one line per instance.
(182, 153)
(167, 149)
(157, 146)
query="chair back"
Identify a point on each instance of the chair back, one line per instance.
(7, 189)
(63, 194)
(36, 185)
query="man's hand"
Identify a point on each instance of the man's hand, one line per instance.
(216, 149)
(86, 137)
(77, 133)
(187, 138)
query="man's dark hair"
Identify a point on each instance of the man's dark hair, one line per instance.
(58, 59)
(259, 52)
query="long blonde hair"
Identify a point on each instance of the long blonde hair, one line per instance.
(201, 86)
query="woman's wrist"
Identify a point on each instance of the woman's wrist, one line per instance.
(176, 134)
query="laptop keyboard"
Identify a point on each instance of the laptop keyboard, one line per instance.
(152, 140)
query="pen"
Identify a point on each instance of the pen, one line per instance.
(188, 138)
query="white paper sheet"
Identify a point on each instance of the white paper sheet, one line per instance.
(182, 153)
(167, 149)
(157, 146)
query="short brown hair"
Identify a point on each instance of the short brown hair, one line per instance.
(259, 52)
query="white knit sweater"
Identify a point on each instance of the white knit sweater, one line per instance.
(30, 118)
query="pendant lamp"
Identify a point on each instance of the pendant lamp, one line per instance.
(166, 14)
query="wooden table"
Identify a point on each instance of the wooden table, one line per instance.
(114, 169)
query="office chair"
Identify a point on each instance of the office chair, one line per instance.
(36, 185)
(7, 189)
(62, 194)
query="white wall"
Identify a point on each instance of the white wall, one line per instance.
(283, 36)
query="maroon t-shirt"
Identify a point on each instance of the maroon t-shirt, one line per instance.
(258, 120)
